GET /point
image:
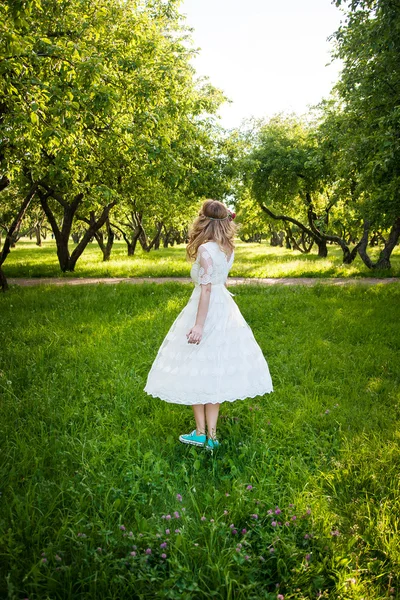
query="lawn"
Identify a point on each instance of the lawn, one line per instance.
(251, 260)
(99, 500)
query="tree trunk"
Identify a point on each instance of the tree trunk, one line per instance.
(322, 247)
(274, 241)
(10, 233)
(63, 232)
(166, 238)
(132, 247)
(147, 247)
(288, 237)
(362, 247)
(350, 255)
(91, 232)
(4, 181)
(66, 260)
(38, 235)
(383, 261)
(3, 281)
(131, 243)
(307, 242)
(105, 248)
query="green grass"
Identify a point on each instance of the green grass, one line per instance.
(84, 451)
(251, 260)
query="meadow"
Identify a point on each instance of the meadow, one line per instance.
(99, 500)
(251, 260)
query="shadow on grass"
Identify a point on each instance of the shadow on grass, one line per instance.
(251, 260)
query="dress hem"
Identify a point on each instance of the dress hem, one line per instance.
(172, 401)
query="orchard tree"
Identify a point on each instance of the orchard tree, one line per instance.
(95, 97)
(368, 43)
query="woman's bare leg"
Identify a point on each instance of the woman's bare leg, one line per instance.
(199, 416)
(212, 411)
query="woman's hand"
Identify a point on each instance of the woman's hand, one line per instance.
(195, 334)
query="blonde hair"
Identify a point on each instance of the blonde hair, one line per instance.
(213, 223)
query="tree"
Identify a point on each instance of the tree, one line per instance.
(98, 102)
(369, 91)
(290, 179)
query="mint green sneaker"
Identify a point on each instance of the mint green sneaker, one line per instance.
(193, 438)
(212, 444)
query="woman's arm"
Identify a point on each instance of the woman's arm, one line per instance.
(195, 334)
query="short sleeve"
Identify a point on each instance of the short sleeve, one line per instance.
(206, 266)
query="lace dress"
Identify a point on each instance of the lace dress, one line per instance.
(228, 363)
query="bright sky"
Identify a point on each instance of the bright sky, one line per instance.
(267, 56)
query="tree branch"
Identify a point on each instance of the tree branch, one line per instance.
(287, 219)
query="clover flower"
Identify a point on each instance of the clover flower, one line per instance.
(335, 532)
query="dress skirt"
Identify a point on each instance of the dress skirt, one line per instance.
(227, 364)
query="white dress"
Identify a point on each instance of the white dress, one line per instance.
(227, 364)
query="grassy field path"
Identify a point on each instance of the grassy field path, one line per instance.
(337, 281)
